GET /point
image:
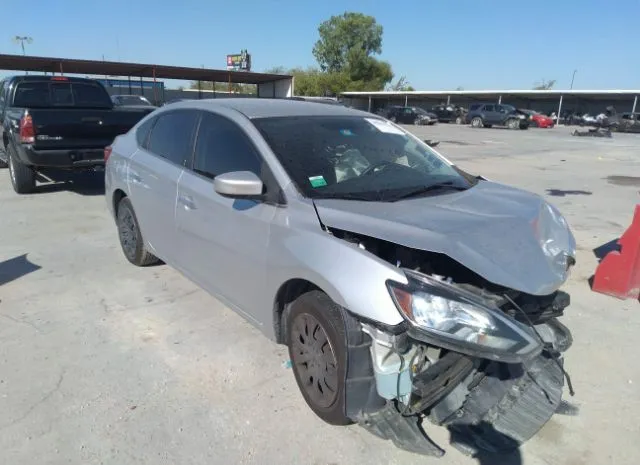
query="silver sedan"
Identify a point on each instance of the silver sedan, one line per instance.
(405, 288)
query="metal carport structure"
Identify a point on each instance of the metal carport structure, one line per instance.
(542, 100)
(268, 85)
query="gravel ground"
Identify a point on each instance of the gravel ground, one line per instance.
(105, 363)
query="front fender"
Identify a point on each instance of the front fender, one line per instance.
(352, 277)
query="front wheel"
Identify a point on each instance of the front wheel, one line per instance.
(458, 120)
(513, 124)
(476, 122)
(318, 352)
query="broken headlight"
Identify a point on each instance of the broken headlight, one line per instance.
(456, 319)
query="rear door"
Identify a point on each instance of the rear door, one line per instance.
(153, 177)
(223, 241)
(490, 115)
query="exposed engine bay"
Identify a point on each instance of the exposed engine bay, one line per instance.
(488, 405)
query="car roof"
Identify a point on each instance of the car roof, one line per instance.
(272, 108)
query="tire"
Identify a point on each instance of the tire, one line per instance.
(507, 406)
(392, 119)
(319, 367)
(23, 177)
(513, 124)
(458, 120)
(131, 240)
(476, 122)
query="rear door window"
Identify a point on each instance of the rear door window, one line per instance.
(142, 133)
(489, 108)
(172, 136)
(43, 94)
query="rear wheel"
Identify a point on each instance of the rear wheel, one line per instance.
(458, 120)
(131, 240)
(23, 177)
(316, 340)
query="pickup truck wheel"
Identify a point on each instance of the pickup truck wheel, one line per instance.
(131, 240)
(458, 120)
(318, 352)
(23, 177)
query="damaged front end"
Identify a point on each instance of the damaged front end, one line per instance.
(480, 359)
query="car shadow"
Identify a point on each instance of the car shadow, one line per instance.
(15, 268)
(600, 252)
(82, 182)
(468, 445)
(563, 193)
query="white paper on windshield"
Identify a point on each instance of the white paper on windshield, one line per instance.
(384, 126)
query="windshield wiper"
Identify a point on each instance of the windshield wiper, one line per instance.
(426, 189)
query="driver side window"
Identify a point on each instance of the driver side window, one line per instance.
(223, 147)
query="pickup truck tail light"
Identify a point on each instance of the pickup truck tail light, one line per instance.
(27, 131)
(107, 152)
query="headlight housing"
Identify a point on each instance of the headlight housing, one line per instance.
(455, 319)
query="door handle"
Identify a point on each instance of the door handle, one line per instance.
(187, 202)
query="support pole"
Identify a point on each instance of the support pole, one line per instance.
(635, 103)
(155, 97)
(370, 104)
(560, 107)
(448, 100)
(141, 87)
(199, 91)
(406, 100)
(129, 78)
(499, 99)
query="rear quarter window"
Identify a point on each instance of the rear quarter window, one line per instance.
(142, 133)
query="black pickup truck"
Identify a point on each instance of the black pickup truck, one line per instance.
(57, 122)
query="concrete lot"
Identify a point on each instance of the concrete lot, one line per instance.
(104, 363)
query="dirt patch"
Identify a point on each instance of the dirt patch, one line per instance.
(633, 181)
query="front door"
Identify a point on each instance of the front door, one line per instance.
(153, 176)
(223, 241)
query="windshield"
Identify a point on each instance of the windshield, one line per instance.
(132, 100)
(354, 157)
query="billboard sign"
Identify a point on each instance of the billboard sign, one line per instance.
(239, 62)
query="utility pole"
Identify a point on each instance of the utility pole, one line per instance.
(21, 40)
(572, 78)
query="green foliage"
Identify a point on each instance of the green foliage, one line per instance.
(342, 36)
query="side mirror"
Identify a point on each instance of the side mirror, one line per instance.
(238, 184)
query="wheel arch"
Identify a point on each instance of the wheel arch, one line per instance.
(118, 195)
(288, 292)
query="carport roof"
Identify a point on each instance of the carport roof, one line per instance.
(113, 68)
(513, 92)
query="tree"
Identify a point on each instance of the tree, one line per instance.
(544, 84)
(346, 47)
(459, 88)
(341, 35)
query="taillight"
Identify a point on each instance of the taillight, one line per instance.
(107, 152)
(59, 78)
(27, 131)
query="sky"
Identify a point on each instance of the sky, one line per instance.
(436, 44)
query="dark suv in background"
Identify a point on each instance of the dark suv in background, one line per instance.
(485, 115)
(410, 115)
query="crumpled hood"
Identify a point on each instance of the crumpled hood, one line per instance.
(510, 237)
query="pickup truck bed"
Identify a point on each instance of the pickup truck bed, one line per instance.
(55, 122)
